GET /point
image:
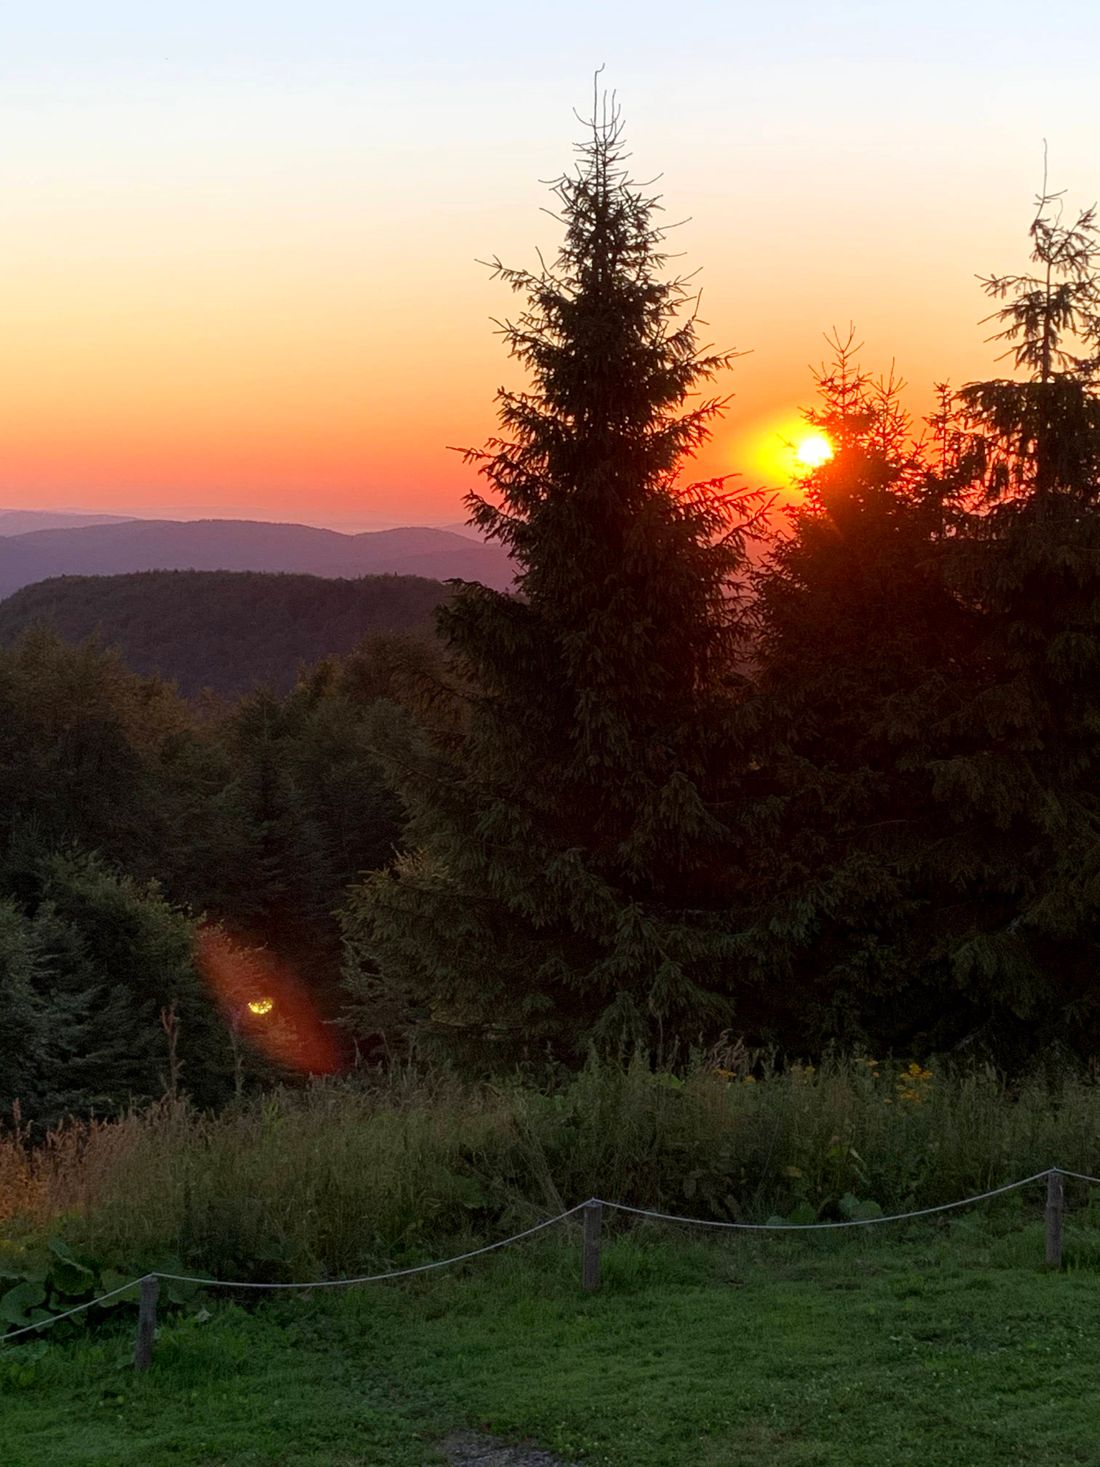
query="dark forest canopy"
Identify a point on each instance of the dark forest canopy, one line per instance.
(842, 791)
(229, 631)
(133, 822)
(861, 808)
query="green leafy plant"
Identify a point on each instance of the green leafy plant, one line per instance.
(49, 1282)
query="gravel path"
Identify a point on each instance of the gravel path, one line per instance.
(466, 1449)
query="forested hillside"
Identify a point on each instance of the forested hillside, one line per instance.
(229, 631)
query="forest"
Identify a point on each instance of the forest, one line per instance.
(807, 780)
(224, 632)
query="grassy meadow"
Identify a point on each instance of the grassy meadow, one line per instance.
(943, 1339)
(947, 1345)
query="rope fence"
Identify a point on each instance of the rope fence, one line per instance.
(855, 1222)
(149, 1284)
(68, 1313)
(377, 1278)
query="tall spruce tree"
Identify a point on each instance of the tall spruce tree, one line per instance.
(570, 863)
(857, 629)
(1021, 779)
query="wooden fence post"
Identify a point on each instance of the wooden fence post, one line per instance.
(147, 1322)
(590, 1266)
(1056, 1202)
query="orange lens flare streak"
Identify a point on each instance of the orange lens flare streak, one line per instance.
(265, 1002)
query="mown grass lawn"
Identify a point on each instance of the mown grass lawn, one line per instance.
(947, 1348)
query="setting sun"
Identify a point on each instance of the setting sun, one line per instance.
(813, 451)
(780, 449)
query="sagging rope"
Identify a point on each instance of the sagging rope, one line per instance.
(539, 1227)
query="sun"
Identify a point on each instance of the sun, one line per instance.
(260, 1006)
(783, 449)
(813, 451)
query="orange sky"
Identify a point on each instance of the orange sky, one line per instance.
(249, 286)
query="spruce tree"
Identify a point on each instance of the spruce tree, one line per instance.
(24, 1031)
(1021, 780)
(857, 630)
(276, 890)
(570, 861)
(849, 596)
(90, 964)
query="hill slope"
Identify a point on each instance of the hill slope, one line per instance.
(226, 630)
(246, 545)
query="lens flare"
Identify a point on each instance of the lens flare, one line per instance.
(264, 1002)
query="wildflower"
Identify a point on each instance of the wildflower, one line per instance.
(912, 1082)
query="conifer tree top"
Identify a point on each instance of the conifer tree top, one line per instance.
(611, 348)
(1051, 317)
(1041, 434)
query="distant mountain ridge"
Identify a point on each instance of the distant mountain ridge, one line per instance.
(120, 547)
(23, 521)
(230, 631)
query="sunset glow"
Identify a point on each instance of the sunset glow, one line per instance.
(230, 286)
(778, 451)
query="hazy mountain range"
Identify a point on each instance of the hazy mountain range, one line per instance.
(119, 546)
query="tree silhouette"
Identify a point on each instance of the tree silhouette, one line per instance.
(856, 627)
(569, 860)
(1042, 432)
(1018, 858)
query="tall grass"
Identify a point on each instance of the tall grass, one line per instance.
(340, 1176)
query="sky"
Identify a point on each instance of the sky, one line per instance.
(240, 241)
